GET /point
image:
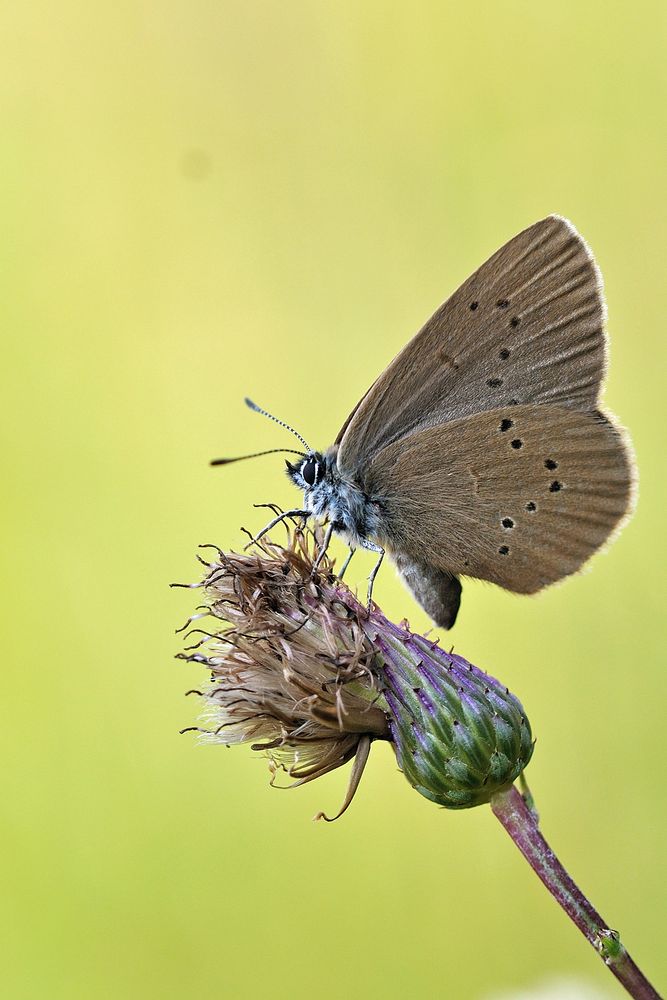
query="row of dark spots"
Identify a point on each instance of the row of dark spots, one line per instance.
(508, 524)
(495, 383)
(555, 486)
(501, 304)
(531, 507)
(506, 424)
(504, 353)
(549, 463)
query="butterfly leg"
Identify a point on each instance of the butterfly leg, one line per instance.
(325, 545)
(346, 563)
(372, 547)
(297, 512)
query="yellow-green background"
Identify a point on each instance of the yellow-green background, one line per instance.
(207, 199)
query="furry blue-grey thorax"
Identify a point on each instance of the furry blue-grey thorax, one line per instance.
(326, 494)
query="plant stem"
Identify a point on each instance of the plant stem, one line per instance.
(520, 822)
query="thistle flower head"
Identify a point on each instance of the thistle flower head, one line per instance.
(310, 677)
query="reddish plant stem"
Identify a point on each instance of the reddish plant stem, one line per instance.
(521, 823)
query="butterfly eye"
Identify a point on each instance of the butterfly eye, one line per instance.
(309, 471)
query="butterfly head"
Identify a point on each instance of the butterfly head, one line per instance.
(309, 472)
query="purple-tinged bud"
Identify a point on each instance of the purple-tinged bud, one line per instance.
(459, 735)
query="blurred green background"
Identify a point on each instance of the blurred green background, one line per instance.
(210, 199)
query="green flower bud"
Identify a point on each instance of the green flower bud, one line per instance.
(459, 735)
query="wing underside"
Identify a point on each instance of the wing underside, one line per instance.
(526, 327)
(520, 496)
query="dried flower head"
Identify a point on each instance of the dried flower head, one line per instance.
(309, 676)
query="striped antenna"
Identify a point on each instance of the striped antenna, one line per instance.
(265, 413)
(256, 454)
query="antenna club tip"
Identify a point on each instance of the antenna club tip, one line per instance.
(265, 413)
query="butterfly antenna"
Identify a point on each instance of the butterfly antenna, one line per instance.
(256, 454)
(258, 409)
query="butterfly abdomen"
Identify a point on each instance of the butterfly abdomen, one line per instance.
(438, 592)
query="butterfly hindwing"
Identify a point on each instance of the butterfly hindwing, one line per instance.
(521, 496)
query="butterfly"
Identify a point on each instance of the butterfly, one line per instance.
(481, 450)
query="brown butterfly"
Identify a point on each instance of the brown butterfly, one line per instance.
(481, 450)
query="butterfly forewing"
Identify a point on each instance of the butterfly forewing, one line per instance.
(520, 496)
(527, 327)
